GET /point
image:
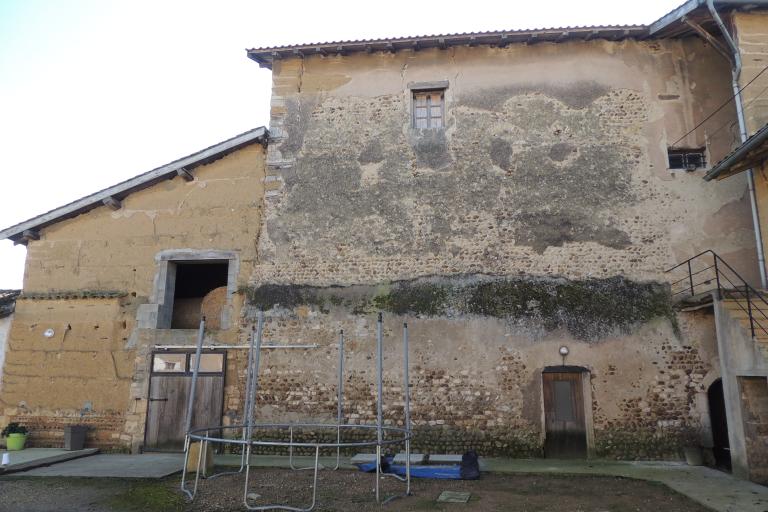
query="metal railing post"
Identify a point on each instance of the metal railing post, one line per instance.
(690, 277)
(749, 312)
(717, 279)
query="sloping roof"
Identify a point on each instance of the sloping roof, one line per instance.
(20, 232)
(673, 24)
(670, 25)
(265, 56)
(752, 153)
(8, 301)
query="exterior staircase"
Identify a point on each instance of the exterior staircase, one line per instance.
(741, 323)
(707, 277)
(739, 309)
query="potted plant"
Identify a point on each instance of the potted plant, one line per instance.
(15, 436)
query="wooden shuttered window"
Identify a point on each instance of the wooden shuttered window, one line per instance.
(428, 111)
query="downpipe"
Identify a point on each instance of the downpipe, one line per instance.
(735, 74)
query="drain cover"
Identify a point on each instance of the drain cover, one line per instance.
(453, 497)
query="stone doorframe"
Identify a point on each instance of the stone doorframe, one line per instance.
(586, 388)
(158, 312)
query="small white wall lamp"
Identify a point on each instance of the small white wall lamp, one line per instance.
(564, 353)
(49, 333)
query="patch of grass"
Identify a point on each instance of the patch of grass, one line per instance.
(147, 496)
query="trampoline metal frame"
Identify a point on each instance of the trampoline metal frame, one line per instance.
(247, 442)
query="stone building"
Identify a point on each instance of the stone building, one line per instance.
(516, 197)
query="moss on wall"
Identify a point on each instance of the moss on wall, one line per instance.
(589, 309)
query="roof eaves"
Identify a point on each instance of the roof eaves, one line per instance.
(8, 302)
(674, 15)
(720, 169)
(142, 181)
(266, 55)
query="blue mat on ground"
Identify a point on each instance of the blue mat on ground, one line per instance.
(449, 472)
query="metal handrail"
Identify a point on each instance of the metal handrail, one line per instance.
(741, 288)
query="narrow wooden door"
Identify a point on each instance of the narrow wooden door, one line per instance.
(169, 397)
(565, 426)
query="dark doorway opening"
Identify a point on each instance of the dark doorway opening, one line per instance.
(200, 288)
(565, 422)
(721, 447)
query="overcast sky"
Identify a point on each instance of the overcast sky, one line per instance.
(94, 92)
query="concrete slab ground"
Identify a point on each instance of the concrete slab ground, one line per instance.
(147, 465)
(29, 458)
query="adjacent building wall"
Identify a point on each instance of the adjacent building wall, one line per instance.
(543, 215)
(5, 327)
(751, 31)
(88, 278)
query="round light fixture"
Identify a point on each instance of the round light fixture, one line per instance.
(564, 351)
(49, 333)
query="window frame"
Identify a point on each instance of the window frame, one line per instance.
(427, 88)
(187, 362)
(428, 106)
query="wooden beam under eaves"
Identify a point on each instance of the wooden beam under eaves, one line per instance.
(185, 174)
(112, 203)
(27, 235)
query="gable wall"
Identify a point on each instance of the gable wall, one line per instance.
(98, 358)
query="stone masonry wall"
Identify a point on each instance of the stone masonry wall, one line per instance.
(537, 216)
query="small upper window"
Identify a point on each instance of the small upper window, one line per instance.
(428, 109)
(687, 159)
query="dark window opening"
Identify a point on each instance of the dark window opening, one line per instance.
(687, 159)
(200, 289)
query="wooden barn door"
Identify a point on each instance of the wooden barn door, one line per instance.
(169, 395)
(565, 425)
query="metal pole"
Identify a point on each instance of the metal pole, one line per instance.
(255, 379)
(193, 383)
(717, 279)
(379, 411)
(690, 278)
(340, 398)
(379, 371)
(248, 378)
(407, 391)
(407, 399)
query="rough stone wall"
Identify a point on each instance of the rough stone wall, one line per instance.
(754, 404)
(476, 379)
(551, 167)
(540, 169)
(87, 277)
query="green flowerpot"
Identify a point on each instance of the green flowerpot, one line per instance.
(15, 441)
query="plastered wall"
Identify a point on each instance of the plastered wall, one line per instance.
(87, 278)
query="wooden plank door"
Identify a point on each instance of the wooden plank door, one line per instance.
(169, 395)
(565, 426)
